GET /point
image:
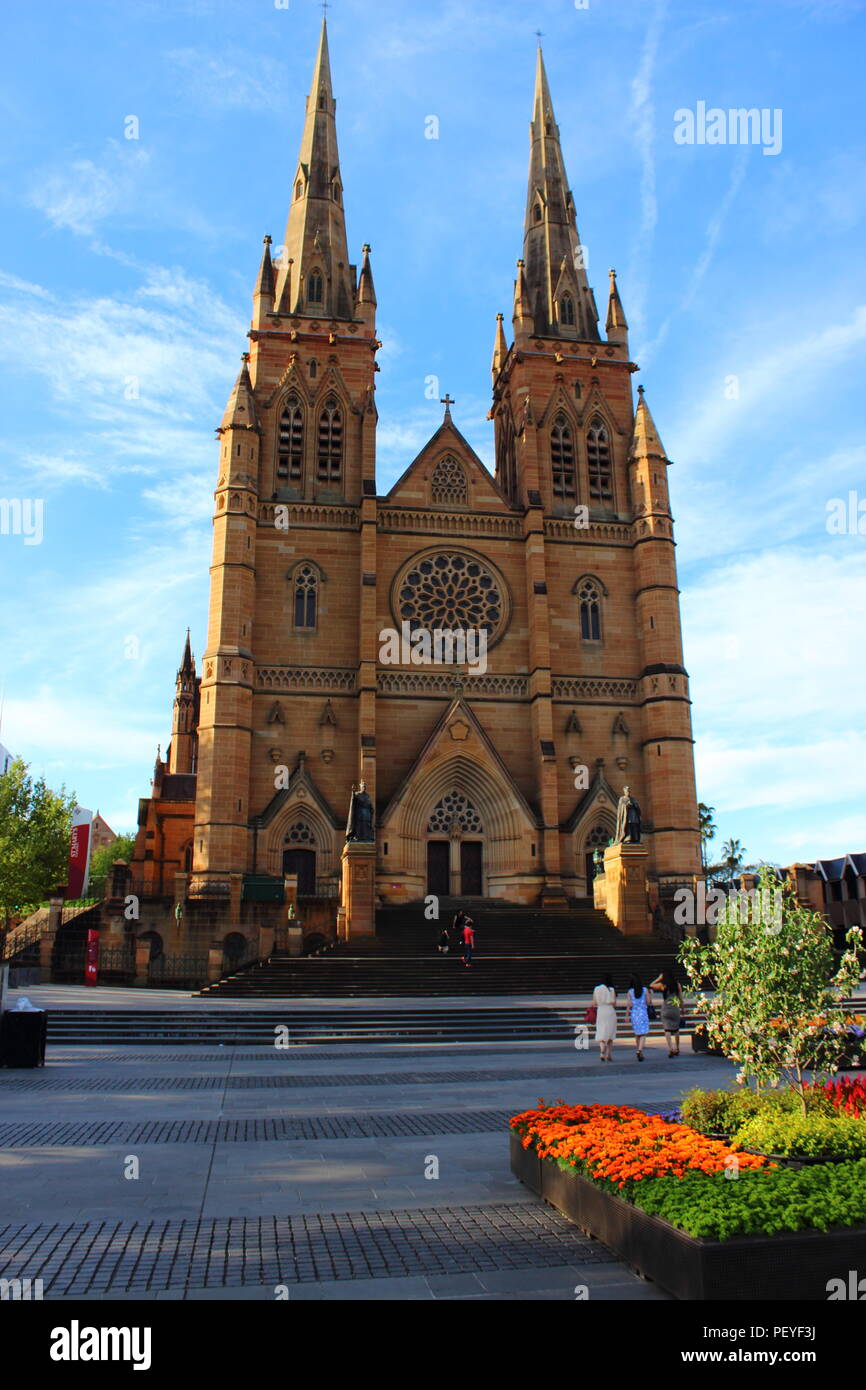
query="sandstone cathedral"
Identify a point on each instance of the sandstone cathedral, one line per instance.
(497, 779)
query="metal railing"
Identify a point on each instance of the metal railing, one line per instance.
(176, 968)
(325, 888)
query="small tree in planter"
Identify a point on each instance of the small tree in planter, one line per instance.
(775, 986)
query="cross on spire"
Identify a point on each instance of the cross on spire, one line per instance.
(539, 34)
(447, 400)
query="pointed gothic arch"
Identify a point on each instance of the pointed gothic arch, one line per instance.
(300, 827)
(562, 457)
(289, 470)
(306, 580)
(329, 444)
(591, 593)
(599, 461)
(315, 288)
(567, 314)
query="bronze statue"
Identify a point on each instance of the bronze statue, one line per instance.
(359, 826)
(627, 820)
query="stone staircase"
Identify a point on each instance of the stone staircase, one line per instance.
(518, 951)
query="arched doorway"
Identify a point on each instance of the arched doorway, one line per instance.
(234, 945)
(597, 838)
(455, 849)
(154, 943)
(299, 857)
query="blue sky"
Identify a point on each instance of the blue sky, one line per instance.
(134, 259)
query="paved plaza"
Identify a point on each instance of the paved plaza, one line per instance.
(335, 1172)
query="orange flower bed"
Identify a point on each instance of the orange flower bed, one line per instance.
(621, 1144)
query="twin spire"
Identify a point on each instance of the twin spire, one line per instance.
(313, 277)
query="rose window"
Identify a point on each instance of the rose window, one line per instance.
(447, 589)
(455, 809)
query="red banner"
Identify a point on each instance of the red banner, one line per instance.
(91, 957)
(79, 853)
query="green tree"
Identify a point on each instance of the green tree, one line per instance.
(102, 859)
(774, 1007)
(733, 861)
(35, 826)
(707, 828)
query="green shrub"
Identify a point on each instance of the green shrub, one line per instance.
(723, 1112)
(759, 1201)
(804, 1136)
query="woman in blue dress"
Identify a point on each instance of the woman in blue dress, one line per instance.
(638, 1001)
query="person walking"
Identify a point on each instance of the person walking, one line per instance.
(468, 940)
(638, 1007)
(443, 942)
(604, 999)
(672, 1008)
(457, 923)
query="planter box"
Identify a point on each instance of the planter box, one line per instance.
(795, 1265)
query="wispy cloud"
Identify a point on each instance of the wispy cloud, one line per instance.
(642, 120)
(232, 80)
(695, 280)
(78, 196)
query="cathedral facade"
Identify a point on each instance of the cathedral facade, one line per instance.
(494, 766)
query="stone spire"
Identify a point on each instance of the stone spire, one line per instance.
(560, 298)
(500, 348)
(240, 411)
(265, 288)
(322, 280)
(646, 443)
(616, 325)
(522, 316)
(187, 665)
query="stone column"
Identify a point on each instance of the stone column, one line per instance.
(142, 963)
(359, 886)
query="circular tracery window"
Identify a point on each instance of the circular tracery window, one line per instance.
(450, 589)
(300, 834)
(455, 809)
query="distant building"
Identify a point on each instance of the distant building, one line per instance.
(101, 833)
(6, 759)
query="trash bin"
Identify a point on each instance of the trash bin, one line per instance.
(22, 1037)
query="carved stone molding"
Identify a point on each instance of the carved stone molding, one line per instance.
(593, 688)
(448, 523)
(311, 514)
(427, 682)
(305, 678)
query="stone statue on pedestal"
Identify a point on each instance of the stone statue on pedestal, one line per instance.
(359, 826)
(627, 820)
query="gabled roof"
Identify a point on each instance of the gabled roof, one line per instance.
(300, 777)
(448, 439)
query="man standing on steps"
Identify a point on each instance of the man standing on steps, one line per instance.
(457, 923)
(468, 940)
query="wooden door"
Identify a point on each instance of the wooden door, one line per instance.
(439, 868)
(471, 884)
(303, 863)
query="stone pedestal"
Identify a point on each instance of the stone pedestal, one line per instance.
(622, 892)
(359, 889)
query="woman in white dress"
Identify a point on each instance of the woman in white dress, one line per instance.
(604, 999)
